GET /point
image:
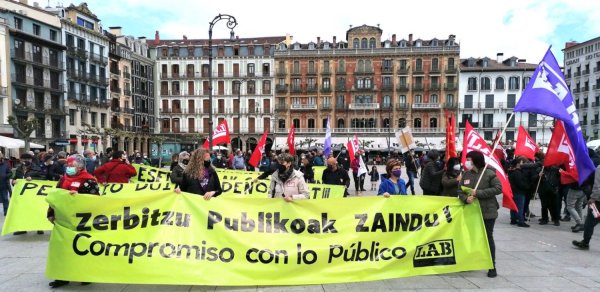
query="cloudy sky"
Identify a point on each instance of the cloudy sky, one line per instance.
(521, 28)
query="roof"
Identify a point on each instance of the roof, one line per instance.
(574, 45)
(83, 9)
(493, 65)
(217, 42)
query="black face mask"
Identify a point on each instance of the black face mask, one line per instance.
(330, 167)
(27, 163)
(185, 161)
(206, 163)
(281, 168)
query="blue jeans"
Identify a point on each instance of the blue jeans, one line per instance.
(520, 202)
(411, 181)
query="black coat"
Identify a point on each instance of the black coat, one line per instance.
(34, 172)
(191, 185)
(519, 182)
(5, 175)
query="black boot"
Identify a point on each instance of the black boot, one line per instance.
(492, 273)
(58, 283)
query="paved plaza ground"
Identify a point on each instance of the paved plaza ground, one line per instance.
(539, 258)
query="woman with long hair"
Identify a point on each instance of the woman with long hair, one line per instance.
(200, 177)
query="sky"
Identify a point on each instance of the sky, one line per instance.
(520, 28)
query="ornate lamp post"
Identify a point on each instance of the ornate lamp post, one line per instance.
(231, 23)
(239, 89)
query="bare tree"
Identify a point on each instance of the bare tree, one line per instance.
(23, 129)
(159, 140)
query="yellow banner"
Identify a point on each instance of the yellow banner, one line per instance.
(168, 238)
(150, 174)
(318, 170)
(28, 206)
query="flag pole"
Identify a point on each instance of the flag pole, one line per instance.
(494, 147)
(535, 194)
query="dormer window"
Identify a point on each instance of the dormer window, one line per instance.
(326, 46)
(484, 63)
(513, 62)
(282, 47)
(387, 44)
(434, 43)
(403, 44)
(296, 46)
(418, 43)
(311, 46)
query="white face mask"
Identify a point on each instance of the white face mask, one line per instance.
(457, 167)
(469, 164)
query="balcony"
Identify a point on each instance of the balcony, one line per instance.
(126, 75)
(281, 108)
(586, 72)
(296, 73)
(387, 87)
(428, 130)
(434, 70)
(449, 86)
(77, 52)
(362, 89)
(77, 75)
(403, 70)
(311, 72)
(402, 87)
(577, 74)
(341, 107)
(451, 69)
(296, 89)
(326, 72)
(450, 105)
(417, 87)
(402, 106)
(434, 87)
(387, 70)
(464, 124)
(340, 71)
(127, 92)
(98, 58)
(418, 71)
(115, 89)
(295, 106)
(386, 106)
(364, 106)
(312, 88)
(426, 106)
(281, 88)
(340, 87)
(115, 73)
(281, 73)
(363, 72)
(325, 89)
(325, 107)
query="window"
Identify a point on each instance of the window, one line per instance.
(311, 123)
(513, 83)
(103, 120)
(355, 44)
(85, 23)
(401, 123)
(450, 99)
(281, 124)
(417, 123)
(251, 69)
(472, 84)
(72, 117)
(326, 83)
(433, 123)
(363, 43)
(340, 123)
(511, 100)
(418, 98)
(435, 64)
(387, 100)
(36, 29)
(526, 81)
(296, 123)
(403, 65)
(433, 99)
(18, 23)
(419, 65)
(488, 120)
(486, 83)
(402, 99)
(372, 43)
(499, 83)
(94, 117)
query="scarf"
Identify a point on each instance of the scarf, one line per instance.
(286, 174)
(203, 181)
(73, 183)
(181, 165)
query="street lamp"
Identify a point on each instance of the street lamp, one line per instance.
(231, 23)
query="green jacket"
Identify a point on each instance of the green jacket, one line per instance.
(486, 193)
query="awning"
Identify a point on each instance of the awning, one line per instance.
(13, 143)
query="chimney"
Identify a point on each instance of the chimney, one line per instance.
(410, 39)
(142, 39)
(116, 30)
(570, 44)
(334, 41)
(35, 4)
(393, 40)
(23, 2)
(522, 60)
(156, 38)
(499, 57)
(318, 40)
(184, 37)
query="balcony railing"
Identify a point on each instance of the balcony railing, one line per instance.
(434, 87)
(402, 87)
(98, 58)
(312, 88)
(325, 107)
(449, 86)
(325, 89)
(295, 106)
(451, 69)
(127, 92)
(126, 75)
(402, 106)
(403, 71)
(281, 88)
(364, 106)
(426, 106)
(417, 87)
(281, 107)
(387, 87)
(281, 73)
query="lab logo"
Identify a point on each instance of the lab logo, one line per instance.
(435, 253)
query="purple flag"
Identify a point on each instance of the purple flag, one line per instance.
(327, 148)
(547, 93)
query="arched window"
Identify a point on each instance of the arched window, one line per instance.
(368, 67)
(340, 123)
(418, 99)
(354, 123)
(486, 83)
(281, 124)
(296, 123)
(417, 123)
(355, 43)
(472, 83)
(433, 98)
(435, 66)
(433, 123)
(363, 43)
(386, 123)
(361, 66)
(311, 123)
(371, 123)
(402, 123)
(419, 65)
(513, 83)
(450, 99)
(402, 99)
(372, 43)
(499, 83)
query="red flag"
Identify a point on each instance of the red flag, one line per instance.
(560, 152)
(499, 151)
(473, 141)
(350, 151)
(220, 135)
(525, 145)
(450, 136)
(258, 151)
(290, 140)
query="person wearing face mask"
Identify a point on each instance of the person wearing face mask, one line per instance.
(200, 177)
(57, 169)
(220, 161)
(177, 173)
(117, 170)
(451, 178)
(343, 160)
(486, 192)
(287, 182)
(5, 176)
(306, 169)
(335, 175)
(77, 181)
(90, 160)
(391, 183)
(239, 162)
(174, 161)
